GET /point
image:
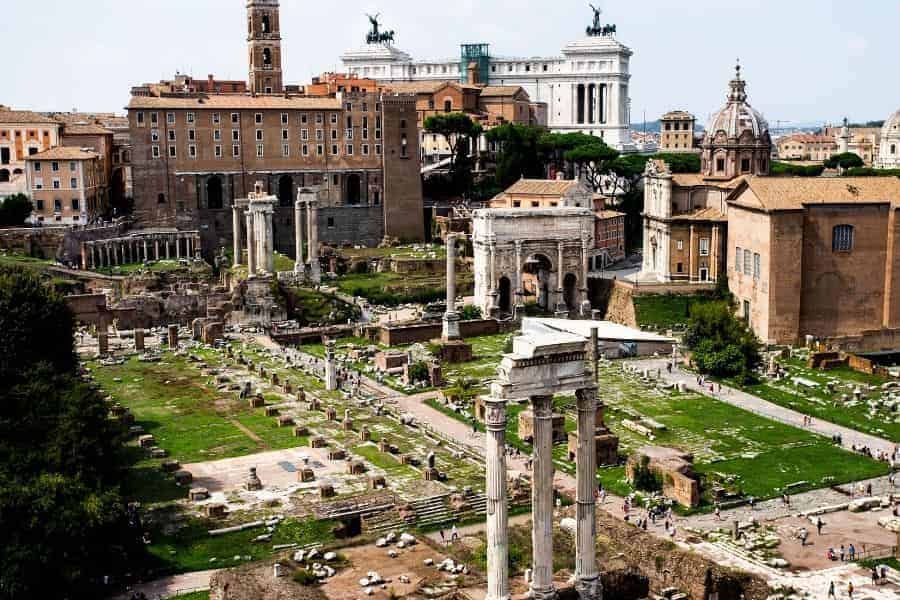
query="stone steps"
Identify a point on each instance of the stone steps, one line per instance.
(741, 552)
(432, 511)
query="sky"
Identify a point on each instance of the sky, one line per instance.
(804, 60)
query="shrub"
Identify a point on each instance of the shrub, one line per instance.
(418, 372)
(305, 577)
(644, 478)
(789, 170)
(470, 312)
(723, 345)
(870, 172)
(847, 160)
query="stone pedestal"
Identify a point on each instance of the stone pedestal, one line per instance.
(253, 483)
(139, 340)
(454, 351)
(450, 326)
(103, 344)
(173, 337)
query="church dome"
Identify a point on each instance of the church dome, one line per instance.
(737, 117)
(891, 127)
(889, 152)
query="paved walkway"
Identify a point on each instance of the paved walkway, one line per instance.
(754, 404)
(168, 587)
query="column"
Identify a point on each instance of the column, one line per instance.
(520, 290)
(236, 233)
(451, 318)
(313, 218)
(178, 247)
(298, 235)
(104, 255)
(495, 490)
(714, 253)
(585, 301)
(330, 371)
(156, 248)
(251, 245)
(188, 242)
(168, 247)
(93, 256)
(146, 251)
(587, 579)
(542, 499)
(561, 307)
(492, 285)
(269, 242)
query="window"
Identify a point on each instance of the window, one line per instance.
(217, 135)
(140, 119)
(218, 151)
(170, 118)
(235, 118)
(330, 222)
(56, 184)
(680, 244)
(172, 152)
(842, 238)
(378, 149)
(235, 135)
(304, 135)
(171, 135)
(154, 135)
(745, 165)
(54, 166)
(320, 135)
(319, 117)
(304, 149)
(349, 149)
(285, 150)
(679, 268)
(720, 165)
(192, 151)
(738, 257)
(403, 146)
(154, 118)
(57, 205)
(192, 135)
(189, 117)
(74, 203)
(39, 204)
(365, 149)
(431, 103)
(303, 118)
(448, 106)
(334, 118)
(161, 199)
(320, 150)
(259, 151)
(259, 135)
(217, 118)
(39, 183)
(37, 167)
(747, 265)
(73, 183)
(704, 246)
(334, 134)
(757, 266)
(258, 117)
(155, 151)
(235, 151)
(284, 134)
(335, 149)
(284, 118)
(73, 166)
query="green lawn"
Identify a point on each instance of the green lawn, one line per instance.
(191, 548)
(20, 260)
(391, 289)
(664, 311)
(158, 267)
(192, 596)
(819, 403)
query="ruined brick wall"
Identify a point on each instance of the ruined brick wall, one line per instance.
(614, 300)
(424, 332)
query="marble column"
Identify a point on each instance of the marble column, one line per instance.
(585, 260)
(298, 235)
(177, 247)
(495, 490)
(236, 234)
(330, 367)
(587, 578)
(251, 245)
(313, 218)
(188, 243)
(93, 256)
(542, 499)
(146, 251)
(270, 242)
(561, 308)
(168, 247)
(451, 317)
(520, 289)
(156, 249)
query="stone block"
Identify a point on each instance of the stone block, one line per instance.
(183, 477)
(215, 511)
(157, 452)
(606, 448)
(256, 402)
(285, 421)
(365, 435)
(301, 431)
(326, 490)
(331, 414)
(347, 425)
(271, 411)
(432, 475)
(317, 442)
(139, 340)
(306, 475)
(170, 466)
(356, 467)
(198, 494)
(454, 351)
(526, 427)
(384, 446)
(337, 454)
(146, 441)
(377, 482)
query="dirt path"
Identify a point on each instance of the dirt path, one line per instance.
(167, 587)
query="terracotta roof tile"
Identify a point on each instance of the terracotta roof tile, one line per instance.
(702, 214)
(86, 129)
(541, 187)
(500, 90)
(793, 193)
(608, 214)
(63, 153)
(24, 116)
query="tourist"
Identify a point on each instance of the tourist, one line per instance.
(819, 525)
(718, 513)
(830, 555)
(831, 590)
(850, 590)
(852, 552)
(443, 539)
(454, 534)
(843, 552)
(803, 535)
(874, 575)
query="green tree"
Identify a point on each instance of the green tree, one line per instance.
(461, 133)
(722, 344)
(846, 160)
(63, 525)
(15, 209)
(520, 152)
(594, 160)
(553, 147)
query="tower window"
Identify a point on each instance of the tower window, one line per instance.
(842, 238)
(266, 24)
(267, 57)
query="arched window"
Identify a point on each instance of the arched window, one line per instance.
(448, 106)
(842, 238)
(266, 25)
(267, 56)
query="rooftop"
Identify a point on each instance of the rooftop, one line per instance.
(541, 187)
(235, 102)
(86, 129)
(64, 153)
(793, 193)
(24, 116)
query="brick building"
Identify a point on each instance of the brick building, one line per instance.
(194, 154)
(22, 134)
(66, 185)
(676, 132)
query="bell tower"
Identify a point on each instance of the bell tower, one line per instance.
(264, 46)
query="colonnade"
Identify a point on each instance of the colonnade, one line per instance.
(310, 264)
(258, 211)
(139, 248)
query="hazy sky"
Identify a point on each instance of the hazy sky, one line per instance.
(804, 60)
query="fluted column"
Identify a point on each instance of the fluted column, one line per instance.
(495, 490)
(251, 245)
(236, 234)
(177, 247)
(451, 318)
(270, 243)
(313, 217)
(155, 248)
(542, 499)
(587, 578)
(168, 247)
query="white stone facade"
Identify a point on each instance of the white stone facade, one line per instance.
(551, 245)
(889, 150)
(585, 89)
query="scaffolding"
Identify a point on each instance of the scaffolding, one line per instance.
(480, 55)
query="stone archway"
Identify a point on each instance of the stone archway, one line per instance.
(214, 193)
(537, 277)
(285, 190)
(570, 291)
(351, 190)
(505, 299)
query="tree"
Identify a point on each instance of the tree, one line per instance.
(722, 344)
(846, 160)
(594, 160)
(461, 133)
(553, 147)
(520, 152)
(15, 209)
(63, 524)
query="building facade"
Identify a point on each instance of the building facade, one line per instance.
(22, 134)
(585, 89)
(676, 132)
(66, 186)
(807, 146)
(889, 146)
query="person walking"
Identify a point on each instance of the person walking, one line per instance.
(850, 590)
(454, 534)
(443, 538)
(819, 525)
(831, 590)
(842, 553)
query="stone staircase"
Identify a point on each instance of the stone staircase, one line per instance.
(739, 550)
(382, 522)
(432, 511)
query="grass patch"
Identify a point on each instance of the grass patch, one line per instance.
(391, 289)
(191, 548)
(192, 596)
(27, 262)
(665, 311)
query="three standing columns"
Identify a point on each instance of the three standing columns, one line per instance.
(542, 499)
(587, 578)
(497, 534)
